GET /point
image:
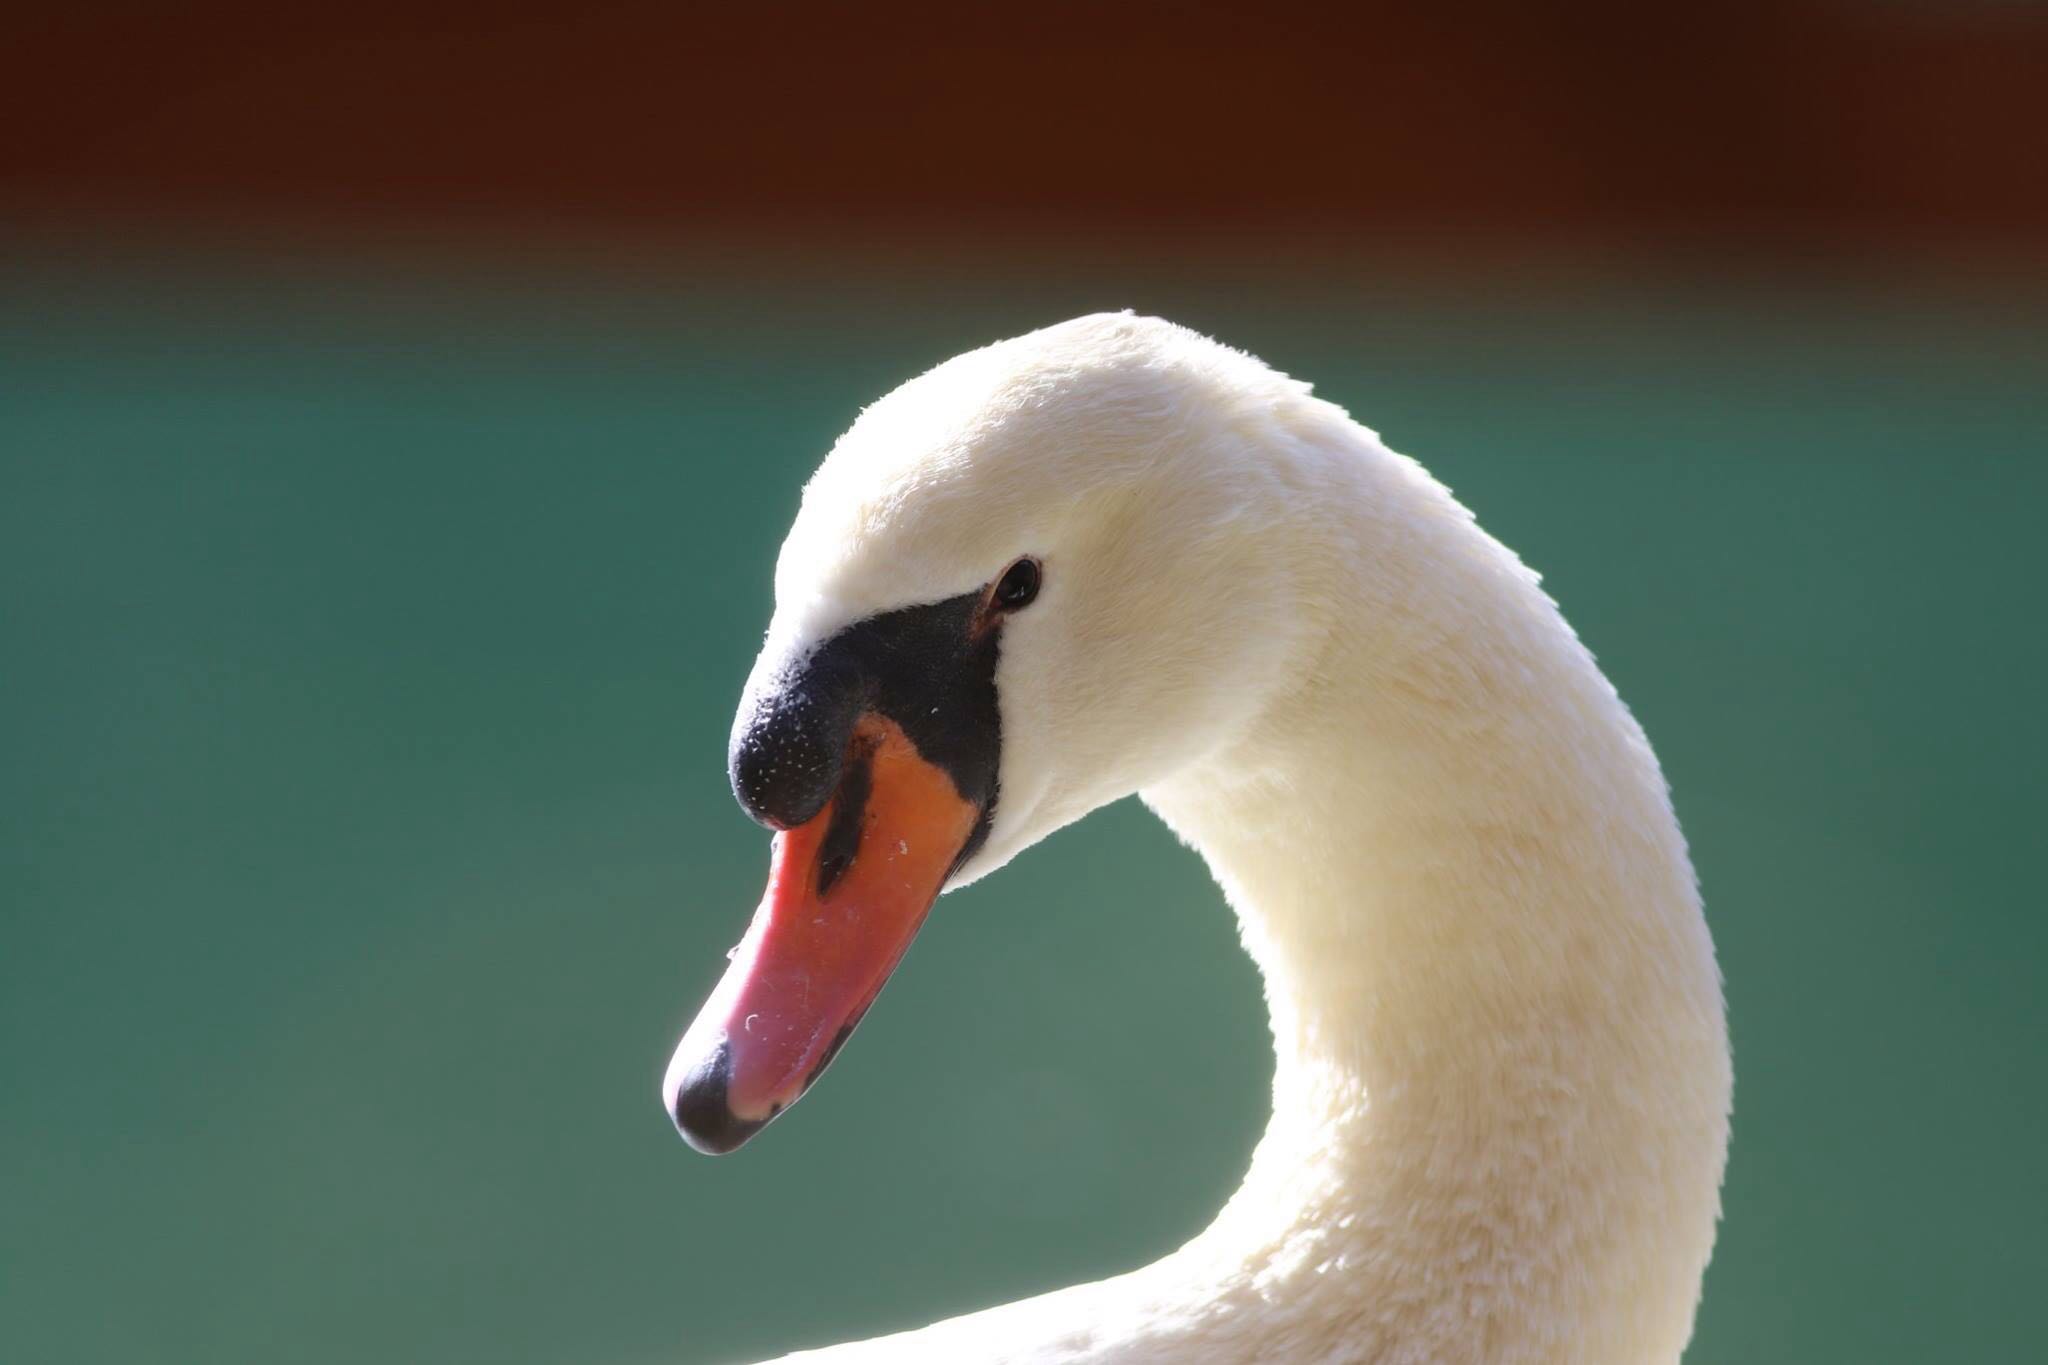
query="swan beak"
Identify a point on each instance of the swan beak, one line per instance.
(847, 891)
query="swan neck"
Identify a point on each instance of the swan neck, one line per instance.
(1496, 1016)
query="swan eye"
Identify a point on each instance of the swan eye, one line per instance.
(1018, 586)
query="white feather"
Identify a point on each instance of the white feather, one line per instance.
(1502, 1087)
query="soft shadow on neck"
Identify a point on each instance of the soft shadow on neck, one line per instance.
(1500, 1055)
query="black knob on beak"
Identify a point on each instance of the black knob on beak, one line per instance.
(790, 739)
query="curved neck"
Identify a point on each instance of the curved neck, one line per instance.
(1501, 1078)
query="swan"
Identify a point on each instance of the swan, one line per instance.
(1115, 556)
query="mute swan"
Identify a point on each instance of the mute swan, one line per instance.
(1114, 556)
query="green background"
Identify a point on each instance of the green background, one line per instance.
(371, 633)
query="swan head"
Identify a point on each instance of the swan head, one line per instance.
(1033, 580)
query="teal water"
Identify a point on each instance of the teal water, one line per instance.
(369, 645)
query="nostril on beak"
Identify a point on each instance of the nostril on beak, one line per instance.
(701, 1110)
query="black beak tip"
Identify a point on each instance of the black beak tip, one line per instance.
(701, 1112)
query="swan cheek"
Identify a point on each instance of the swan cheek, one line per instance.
(847, 891)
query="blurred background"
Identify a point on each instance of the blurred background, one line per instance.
(400, 408)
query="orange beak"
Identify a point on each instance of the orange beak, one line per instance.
(847, 892)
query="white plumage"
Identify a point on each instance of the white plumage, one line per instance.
(1502, 1087)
